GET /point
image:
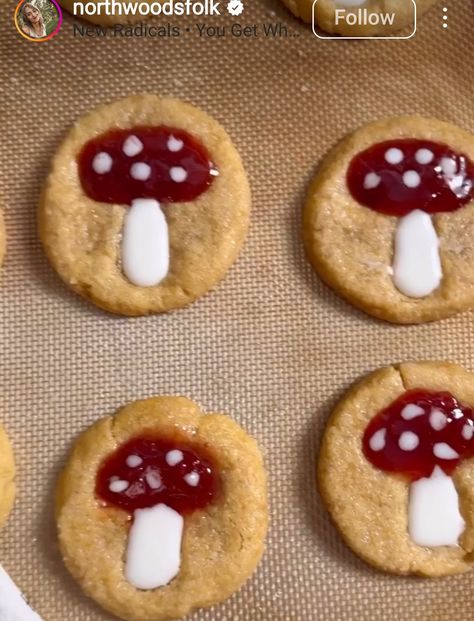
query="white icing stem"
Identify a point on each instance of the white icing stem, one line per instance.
(433, 511)
(153, 553)
(145, 243)
(12, 605)
(416, 265)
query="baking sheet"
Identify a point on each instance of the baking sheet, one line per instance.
(272, 346)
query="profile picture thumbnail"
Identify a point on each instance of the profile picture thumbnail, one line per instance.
(38, 20)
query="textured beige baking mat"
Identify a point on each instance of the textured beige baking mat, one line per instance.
(272, 346)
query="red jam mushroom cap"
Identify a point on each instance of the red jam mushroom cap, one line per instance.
(399, 176)
(163, 163)
(418, 431)
(146, 471)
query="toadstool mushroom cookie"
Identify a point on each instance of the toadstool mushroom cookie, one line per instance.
(389, 219)
(146, 206)
(359, 18)
(396, 468)
(7, 473)
(162, 509)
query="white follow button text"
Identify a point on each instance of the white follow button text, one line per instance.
(352, 14)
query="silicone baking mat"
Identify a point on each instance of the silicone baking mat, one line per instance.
(272, 346)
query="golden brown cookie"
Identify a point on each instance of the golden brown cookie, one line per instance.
(162, 509)
(389, 219)
(7, 473)
(146, 206)
(352, 18)
(396, 468)
(99, 16)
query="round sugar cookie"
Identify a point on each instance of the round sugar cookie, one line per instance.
(333, 17)
(146, 206)
(7, 473)
(389, 219)
(162, 509)
(396, 468)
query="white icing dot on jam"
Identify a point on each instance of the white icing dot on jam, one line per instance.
(178, 174)
(132, 146)
(133, 461)
(371, 181)
(448, 166)
(377, 441)
(411, 179)
(140, 171)
(118, 486)
(174, 457)
(468, 432)
(153, 478)
(102, 163)
(442, 450)
(394, 156)
(424, 156)
(412, 411)
(438, 419)
(408, 441)
(174, 144)
(192, 479)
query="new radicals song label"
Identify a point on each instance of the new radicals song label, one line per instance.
(244, 31)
